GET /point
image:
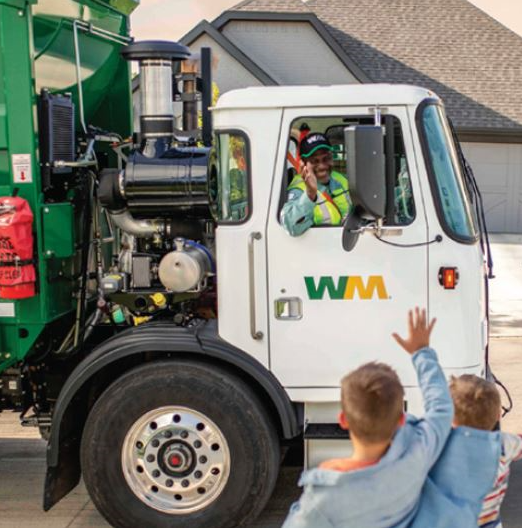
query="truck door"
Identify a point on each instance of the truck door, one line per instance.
(331, 310)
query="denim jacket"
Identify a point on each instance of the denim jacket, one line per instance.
(460, 480)
(387, 494)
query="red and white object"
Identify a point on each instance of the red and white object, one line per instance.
(17, 273)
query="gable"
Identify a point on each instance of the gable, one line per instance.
(291, 52)
(229, 73)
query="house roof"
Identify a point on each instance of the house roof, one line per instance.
(279, 6)
(450, 46)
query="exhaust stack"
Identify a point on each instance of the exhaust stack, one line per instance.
(155, 59)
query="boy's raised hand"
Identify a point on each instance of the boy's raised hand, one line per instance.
(419, 332)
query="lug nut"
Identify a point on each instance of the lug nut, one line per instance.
(185, 483)
(184, 434)
(197, 444)
(203, 459)
(150, 458)
(167, 434)
(156, 473)
(198, 474)
(169, 483)
(155, 443)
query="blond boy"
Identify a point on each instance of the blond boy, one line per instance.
(477, 405)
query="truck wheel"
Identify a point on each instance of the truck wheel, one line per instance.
(178, 444)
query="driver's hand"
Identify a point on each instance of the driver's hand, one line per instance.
(307, 173)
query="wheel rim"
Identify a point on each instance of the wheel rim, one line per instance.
(175, 460)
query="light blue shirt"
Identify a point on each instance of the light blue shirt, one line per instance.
(459, 481)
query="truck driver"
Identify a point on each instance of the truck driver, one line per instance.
(318, 195)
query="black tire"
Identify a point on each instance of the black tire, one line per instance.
(212, 391)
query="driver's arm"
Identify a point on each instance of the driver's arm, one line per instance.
(297, 214)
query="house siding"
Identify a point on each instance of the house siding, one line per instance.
(229, 73)
(290, 52)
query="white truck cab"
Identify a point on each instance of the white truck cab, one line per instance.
(305, 307)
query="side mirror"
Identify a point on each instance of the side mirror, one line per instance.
(366, 169)
(366, 172)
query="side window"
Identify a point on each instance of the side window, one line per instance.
(229, 180)
(402, 210)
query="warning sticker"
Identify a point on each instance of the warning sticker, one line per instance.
(7, 309)
(22, 169)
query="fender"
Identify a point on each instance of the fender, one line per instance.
(63, 464)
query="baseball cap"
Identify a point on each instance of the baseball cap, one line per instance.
(312, 143)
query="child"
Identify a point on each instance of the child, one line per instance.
(477, 405)
(379, 486)
(467, 469)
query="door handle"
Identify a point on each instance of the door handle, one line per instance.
(289, 308)
(256, 334)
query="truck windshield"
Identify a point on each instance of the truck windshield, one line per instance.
(453, 203)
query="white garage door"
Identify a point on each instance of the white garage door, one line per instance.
(498, 169)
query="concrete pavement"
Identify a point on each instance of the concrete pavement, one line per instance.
(22, 472)
(506, 287)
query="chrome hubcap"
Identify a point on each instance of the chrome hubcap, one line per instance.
(175, 460)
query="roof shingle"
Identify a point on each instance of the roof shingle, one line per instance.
(472, 61)
(277, 6)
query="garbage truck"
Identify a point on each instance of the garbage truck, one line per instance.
(160, 327)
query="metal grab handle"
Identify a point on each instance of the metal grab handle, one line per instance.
(256, 334)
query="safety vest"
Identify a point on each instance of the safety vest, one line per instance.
(330, 209)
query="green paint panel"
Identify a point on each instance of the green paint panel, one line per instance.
(16, 340)
(58, 230)
(37, 51)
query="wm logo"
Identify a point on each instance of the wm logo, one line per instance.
(346, 288)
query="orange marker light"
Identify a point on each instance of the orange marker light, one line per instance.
(448, 278)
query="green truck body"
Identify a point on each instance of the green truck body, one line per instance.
(37, 51)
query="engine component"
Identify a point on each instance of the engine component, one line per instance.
(113, 283)
(159, 300)
(117, 314)
(155, 59)
(186, 268)
(17, 273)
(176, 179)
(141, 272)
(56, 133)
(11, 389)
(175, 183)
(139, 228)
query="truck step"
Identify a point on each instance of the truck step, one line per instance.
(325, 431)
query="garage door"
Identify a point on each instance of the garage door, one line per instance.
(498, 169)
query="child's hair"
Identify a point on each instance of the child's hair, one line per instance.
(372, 400)
(477, 402)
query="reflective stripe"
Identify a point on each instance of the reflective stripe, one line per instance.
(326, 213)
